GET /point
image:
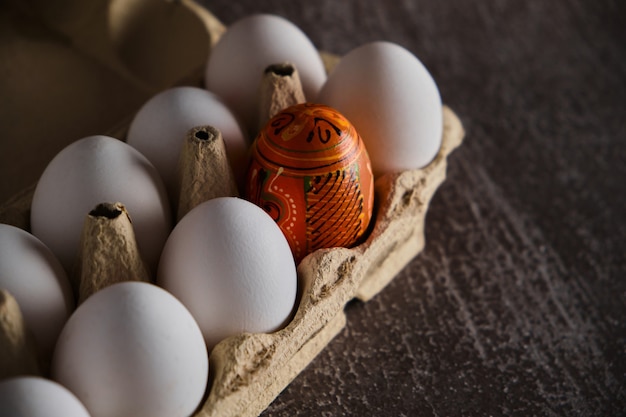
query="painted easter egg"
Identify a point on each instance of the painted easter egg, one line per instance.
(311, 172)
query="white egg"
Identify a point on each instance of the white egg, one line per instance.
(159, 128)
(229, 263)
(33, 275)
(238, 60)
(133, 350)
(393, 102)
(29, 396)
(94, 170)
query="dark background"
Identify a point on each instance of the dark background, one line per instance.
(517, 306)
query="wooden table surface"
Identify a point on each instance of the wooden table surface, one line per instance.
(517, 306)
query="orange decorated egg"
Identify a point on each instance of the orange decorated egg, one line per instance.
(311, 172)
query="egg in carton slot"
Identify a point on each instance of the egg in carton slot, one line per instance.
(248, 370)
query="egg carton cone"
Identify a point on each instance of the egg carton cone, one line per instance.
(248, 371)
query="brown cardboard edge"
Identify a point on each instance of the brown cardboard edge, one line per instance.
(248, 367)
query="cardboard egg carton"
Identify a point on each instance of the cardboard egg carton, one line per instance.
(248, 371)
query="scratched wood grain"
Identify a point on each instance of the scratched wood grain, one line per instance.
(517, 306)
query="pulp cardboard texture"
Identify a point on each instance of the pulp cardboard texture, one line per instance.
(61, 58)
(77, 68)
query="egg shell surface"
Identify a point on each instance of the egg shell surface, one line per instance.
(29, 396)
(33, 275)
(93, 170)
(230, 264)
(238, 60)
(393, 102)
(132, 349)
(159, 128)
